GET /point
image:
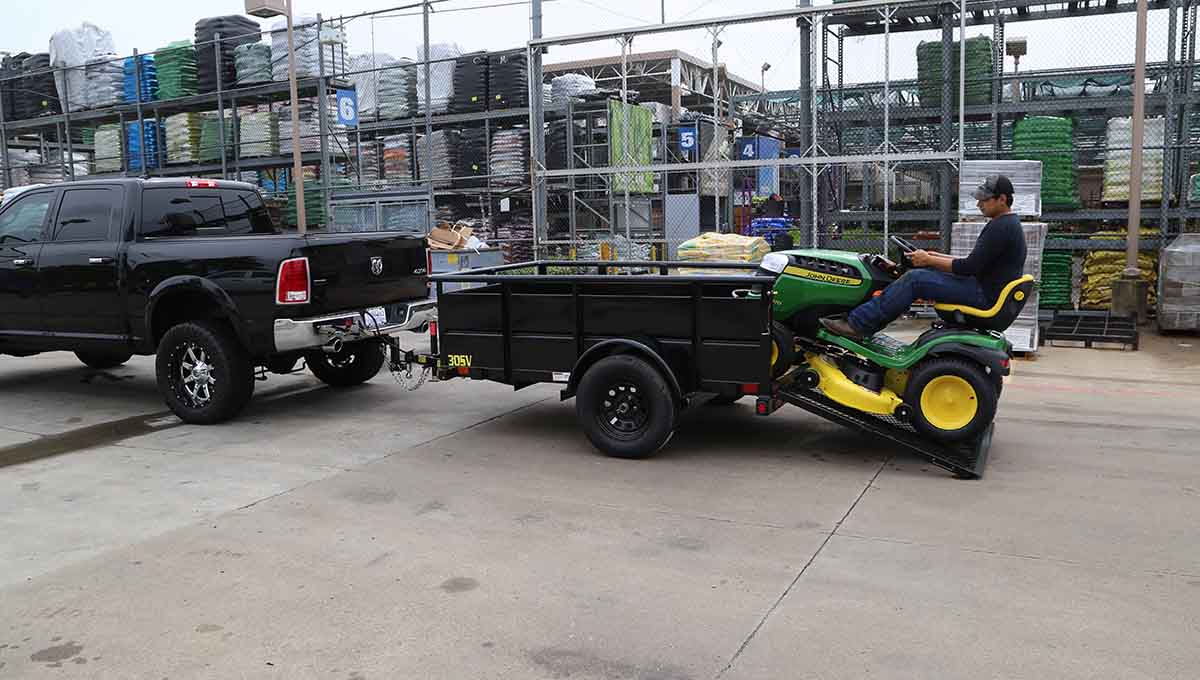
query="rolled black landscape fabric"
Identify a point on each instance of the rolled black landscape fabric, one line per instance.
(234, 31)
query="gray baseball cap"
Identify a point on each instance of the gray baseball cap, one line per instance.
(996, 185)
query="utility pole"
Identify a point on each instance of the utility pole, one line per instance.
(1129, 292)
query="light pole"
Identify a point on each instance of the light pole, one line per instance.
(763, 74)
(273, 8)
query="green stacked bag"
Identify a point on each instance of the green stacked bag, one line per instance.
(1054, 284)
(176, 64)
(979, 66)
(210, 137)
(1049, 140)
(314, 205)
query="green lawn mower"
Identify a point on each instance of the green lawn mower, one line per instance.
(945, 384)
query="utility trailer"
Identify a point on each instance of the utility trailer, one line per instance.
(636, 343)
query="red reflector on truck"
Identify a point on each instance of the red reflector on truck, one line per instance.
(292, 287)
(750, 388)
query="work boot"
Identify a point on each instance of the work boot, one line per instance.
(841, 327)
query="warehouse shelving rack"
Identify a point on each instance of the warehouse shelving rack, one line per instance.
(1175, 99)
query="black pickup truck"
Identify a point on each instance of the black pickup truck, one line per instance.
(196, 272)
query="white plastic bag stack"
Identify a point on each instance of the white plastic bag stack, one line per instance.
(310, 127)
(258, 133)
(108, 148)
(365, 74)
(568, 85)
(441, 76)
(308, 50)
(71, 49)
(397, 90)
(105, 81)
(1119, 159)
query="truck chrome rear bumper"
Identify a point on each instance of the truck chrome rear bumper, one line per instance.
(300, 334)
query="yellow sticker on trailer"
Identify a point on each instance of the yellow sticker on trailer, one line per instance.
(451, 259)
(822, 276)
(459, 360)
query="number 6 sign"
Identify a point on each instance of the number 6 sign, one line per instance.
(347, 108)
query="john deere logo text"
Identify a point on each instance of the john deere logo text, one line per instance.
(822, 276)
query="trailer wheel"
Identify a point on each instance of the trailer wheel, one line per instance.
(625, 407)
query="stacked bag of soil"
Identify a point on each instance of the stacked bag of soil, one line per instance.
(979, 66)
(471, 158)
(211, 127)
(1102, 267)
(30, 93)
(309, 50)
(183, 138)
(397, 158)
(176, 66)
(1048, 139)
(508, 80)
(514, 231)
(105, 77)
(138, 137)
(234, 30)
(1054, 283)
(140, 70)
(252, 63)
(258, 133)
(108, 148)
(314, 205)
(442, 61)
(510, 157)
(470, 83)
(1120, 154)
(434, 160)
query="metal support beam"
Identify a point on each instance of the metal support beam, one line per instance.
(537, 139)
(1138, 130)
(945, 197)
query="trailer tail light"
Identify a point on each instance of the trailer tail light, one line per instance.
(294, 285)
(202, 184)
(762, 408)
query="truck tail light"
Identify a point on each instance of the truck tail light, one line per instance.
(202, 184)
(294, 284)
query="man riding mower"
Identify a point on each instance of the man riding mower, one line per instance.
(947, 382)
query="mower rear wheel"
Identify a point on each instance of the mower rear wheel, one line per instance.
(951, 399)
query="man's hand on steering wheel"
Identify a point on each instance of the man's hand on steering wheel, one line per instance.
(920, 258)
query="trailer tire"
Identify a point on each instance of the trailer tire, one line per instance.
(625, 407)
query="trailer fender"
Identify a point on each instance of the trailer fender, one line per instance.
(609, 348)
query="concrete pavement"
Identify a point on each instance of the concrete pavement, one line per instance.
(469, 531)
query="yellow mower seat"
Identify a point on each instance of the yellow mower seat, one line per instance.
(1000, 316)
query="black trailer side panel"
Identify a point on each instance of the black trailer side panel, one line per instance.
(524, 328)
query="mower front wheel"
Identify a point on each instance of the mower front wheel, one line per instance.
(952, 400)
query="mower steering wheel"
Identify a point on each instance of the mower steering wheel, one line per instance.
(905, 246)
(904, 264)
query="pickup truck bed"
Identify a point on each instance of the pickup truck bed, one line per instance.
(112, 268)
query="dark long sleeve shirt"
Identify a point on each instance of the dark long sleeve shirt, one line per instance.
(998, 256)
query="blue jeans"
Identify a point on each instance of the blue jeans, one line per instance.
(917, 284)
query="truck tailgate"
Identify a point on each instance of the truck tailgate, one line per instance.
(356, 271)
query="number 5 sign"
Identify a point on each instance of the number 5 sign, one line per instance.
(687, 139)
(347, 108)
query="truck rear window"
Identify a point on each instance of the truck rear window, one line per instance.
(173, 212)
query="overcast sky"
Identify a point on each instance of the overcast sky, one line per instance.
(146, 26)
